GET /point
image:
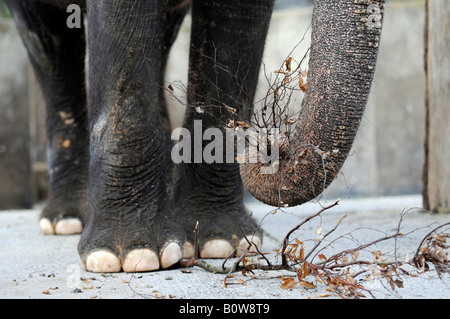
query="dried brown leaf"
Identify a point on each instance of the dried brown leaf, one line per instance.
(306, 284)
(398, 283)
(302, 84)
(301, 254)
(288, 64)
(243, 124)
(288, 283)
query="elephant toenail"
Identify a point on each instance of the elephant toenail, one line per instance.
(188, 251)
(243, 245)
(68, 226)
(171, 255)
(142, 259)
(216, 248)
(102, 261)
(46, 226)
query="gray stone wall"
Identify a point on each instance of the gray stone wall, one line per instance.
(15, 162)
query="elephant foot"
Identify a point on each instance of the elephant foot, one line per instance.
(221, 235)
(131, 241)
(209, 201)
(62, 216)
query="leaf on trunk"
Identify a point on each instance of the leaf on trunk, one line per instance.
(302, 84)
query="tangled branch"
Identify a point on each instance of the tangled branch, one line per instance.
(336, 272)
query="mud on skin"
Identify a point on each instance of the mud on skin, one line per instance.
(111, 174)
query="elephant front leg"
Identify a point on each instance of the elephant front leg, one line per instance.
(227, 44)
(130, 227)
(57, 55)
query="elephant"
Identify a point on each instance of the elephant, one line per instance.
(109, 135)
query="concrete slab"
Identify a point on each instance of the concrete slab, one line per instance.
(35, 266)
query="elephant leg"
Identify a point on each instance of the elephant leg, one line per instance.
(130, 226)
(57, 54)
(227, 44)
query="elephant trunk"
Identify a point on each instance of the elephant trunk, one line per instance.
(344, 48)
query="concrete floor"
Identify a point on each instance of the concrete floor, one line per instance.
(44, 267)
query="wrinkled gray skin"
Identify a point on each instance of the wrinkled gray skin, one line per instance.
(111, 175)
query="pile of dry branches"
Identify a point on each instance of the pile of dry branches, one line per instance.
(342, 273)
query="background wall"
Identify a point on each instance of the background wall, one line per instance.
(15, 162)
